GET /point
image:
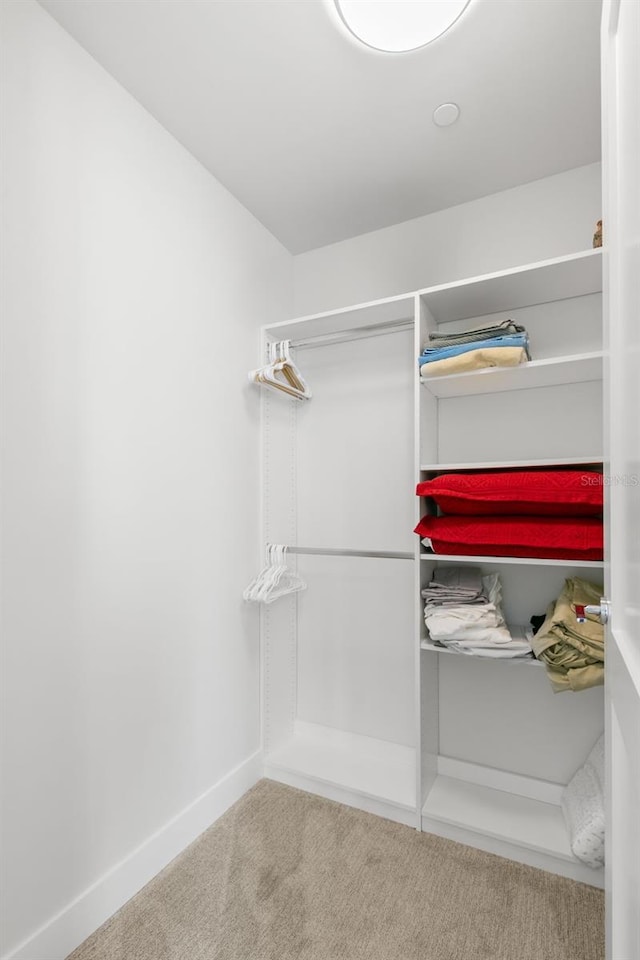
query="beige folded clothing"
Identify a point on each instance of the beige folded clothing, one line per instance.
(475, 360)
(573, 652)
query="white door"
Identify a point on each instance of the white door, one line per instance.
(621, 163)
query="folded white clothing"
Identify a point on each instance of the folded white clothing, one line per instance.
(519, 644)
(464, 612)
(493, 588)
(455, 585)
(477, 629)
(484, 636)
(456, 629)
(456, 619)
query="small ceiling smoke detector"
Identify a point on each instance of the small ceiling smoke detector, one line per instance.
(446, 114)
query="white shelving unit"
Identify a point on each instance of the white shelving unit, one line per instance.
(486, 801)
(358, 704)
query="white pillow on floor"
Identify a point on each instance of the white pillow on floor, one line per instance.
(583, 808)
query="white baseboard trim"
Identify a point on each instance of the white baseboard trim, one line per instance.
(60, 935)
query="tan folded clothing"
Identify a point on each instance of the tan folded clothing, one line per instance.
(573, 652)
(475, 360)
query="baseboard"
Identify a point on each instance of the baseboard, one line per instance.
(57, 938)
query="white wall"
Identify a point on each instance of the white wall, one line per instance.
(134, 286)
(542, 219)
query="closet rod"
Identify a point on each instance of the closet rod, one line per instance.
(331, 552)
(355, 333)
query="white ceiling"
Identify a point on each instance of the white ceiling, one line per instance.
(323, 138)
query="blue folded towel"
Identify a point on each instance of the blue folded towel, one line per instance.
(429, 354)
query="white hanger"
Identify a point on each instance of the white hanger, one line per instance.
(287, 581)
(275, 579)
(290, 380)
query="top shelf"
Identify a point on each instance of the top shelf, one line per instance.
(576, 275)
(362, 316)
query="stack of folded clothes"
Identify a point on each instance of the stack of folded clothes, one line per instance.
(463, 611)
(572, 651)
(503, 345)
(547, 514)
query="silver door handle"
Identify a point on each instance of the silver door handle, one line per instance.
(603, 612)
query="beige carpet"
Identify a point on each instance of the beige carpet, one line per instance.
(284, 875)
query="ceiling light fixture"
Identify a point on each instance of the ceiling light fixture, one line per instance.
(396, 26)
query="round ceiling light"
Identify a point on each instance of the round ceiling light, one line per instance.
(396, 26)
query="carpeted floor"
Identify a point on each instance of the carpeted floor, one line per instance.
(284, 875)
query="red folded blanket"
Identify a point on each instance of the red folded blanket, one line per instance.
(550, 538)
(566, 493)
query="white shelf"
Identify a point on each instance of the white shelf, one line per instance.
(511, 464)
(519, 632)
(505, 822)
(515, 661)
(575, 275)
(576, 368)
(505, 816)
(374, 768)
(362, 315)
(528, 561)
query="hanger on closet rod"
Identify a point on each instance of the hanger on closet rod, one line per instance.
(275, 579)
(281, 373)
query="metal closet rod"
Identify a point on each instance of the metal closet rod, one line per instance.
(331, 552)
(355, 333)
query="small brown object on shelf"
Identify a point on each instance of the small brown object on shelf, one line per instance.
(597, 237)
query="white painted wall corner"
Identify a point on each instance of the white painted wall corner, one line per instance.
(66, 930)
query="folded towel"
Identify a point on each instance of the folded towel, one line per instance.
(431, 354)
(455, 585)
(475, 360)
(476, 333)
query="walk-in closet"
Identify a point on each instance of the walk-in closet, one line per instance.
(320, 480)
(359, 704)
